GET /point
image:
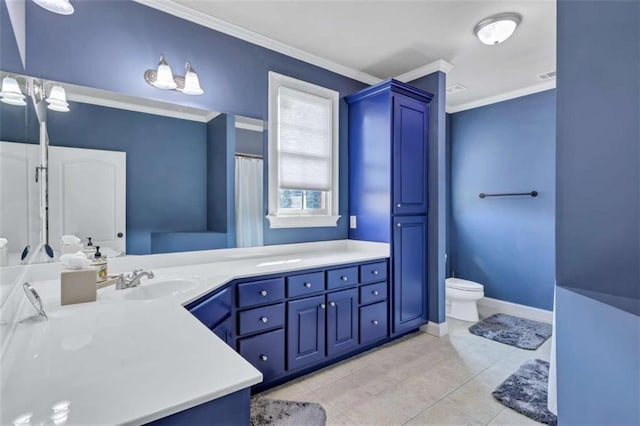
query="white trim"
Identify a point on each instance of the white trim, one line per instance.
(488, 306)
(436, 329)
(148, 109)
(301, 221)
(529, 90)
(430, 68)
(217, 24)
(247, 123)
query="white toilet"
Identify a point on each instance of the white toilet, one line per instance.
(461, 298)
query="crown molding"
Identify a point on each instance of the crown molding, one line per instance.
(529, 90)
(147, 109)
(430, 68)
(184, 12)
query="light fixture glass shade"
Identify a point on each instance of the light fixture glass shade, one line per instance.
(498, 28)
(61, 7)
(191, 82)
(164, 76)
(10, 92)
(57, 99)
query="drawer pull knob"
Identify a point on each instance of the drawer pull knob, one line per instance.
(398, 205)
(332, 304)
(399, 225)
(263, 292)
(375, 272)
(375, 292)
(264, 319)
(307, 285)
(264, 358)
(374, 322)
(344, 278)
(323, 306)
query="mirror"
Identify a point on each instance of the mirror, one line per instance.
(135, 176)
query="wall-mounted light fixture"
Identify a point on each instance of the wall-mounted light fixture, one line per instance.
(11, 93)
(61, 7)
(164, 78)
(497, 28)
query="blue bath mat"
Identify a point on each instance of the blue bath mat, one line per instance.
(519, 332)
(526, 391)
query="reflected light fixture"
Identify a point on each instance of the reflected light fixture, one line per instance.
(10, 92)
(497, 28)
(163, 78)
(61, 7)
(57, 99)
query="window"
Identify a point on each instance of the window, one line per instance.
(303, 154)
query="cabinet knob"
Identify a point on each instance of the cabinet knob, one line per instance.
(375, 292)
(332, 304)
(399, 225)
(264, 358)
(263, 292)
(398, 205)
(374, 322)
(344, 278)
(264, 319)
(307, 285)
(375, 272)
(323, 306)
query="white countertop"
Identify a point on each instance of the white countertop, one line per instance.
(121, 361)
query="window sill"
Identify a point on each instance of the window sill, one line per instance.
(302, 221)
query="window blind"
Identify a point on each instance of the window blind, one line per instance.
(304, 140)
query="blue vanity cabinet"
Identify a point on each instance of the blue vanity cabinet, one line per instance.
(388, 189)
(342, 321)
(409, 273)
(216, 312)
(306, 322)
(410, 127)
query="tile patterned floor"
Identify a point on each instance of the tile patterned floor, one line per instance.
(417, 380)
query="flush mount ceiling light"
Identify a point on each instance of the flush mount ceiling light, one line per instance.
(10, 92)
(163, 78)
(497, 28)
(61, 7)
(57, 99)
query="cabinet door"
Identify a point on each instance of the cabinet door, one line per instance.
(410, 135)
(305, 331)
(342, 321)
(409, 273)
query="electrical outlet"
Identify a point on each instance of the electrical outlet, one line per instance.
(352, 222)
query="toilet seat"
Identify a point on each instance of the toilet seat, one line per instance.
(464, 285)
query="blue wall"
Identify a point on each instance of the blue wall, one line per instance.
(506, 244)
(598, 212)
(108, 45)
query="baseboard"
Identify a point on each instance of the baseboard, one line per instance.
(488, 306)
(435, 329)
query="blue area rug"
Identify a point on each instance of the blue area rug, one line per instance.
(526, 391)
(519, 332)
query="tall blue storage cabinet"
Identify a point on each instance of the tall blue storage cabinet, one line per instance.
(388, 188)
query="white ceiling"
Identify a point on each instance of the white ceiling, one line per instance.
(389, 38)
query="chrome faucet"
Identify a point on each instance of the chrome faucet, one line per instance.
(132, 279)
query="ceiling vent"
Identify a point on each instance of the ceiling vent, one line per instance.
(455, 88)
(547, 75)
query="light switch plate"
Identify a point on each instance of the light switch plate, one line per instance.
(352, 222)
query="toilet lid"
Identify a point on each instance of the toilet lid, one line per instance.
(460, 284)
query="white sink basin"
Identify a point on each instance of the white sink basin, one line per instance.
(160, 287)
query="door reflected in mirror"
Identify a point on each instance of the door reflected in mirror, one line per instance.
(131, 175)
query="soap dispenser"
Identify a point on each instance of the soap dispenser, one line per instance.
(100, 263)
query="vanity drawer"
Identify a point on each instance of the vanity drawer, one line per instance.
(373, 272)
(343, 277)
(214, 309)
(373, 293)
(262, 318)
(299, 285)
(265, 351)
(373, 323)
(260, 292)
